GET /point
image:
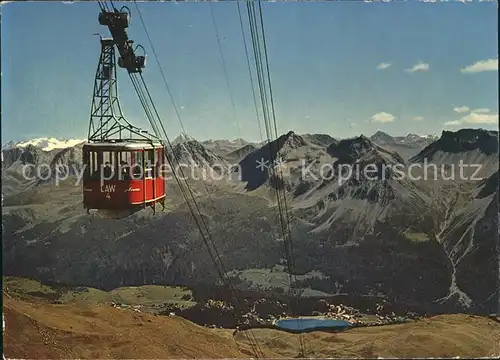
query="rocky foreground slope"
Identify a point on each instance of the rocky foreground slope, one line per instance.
(36, 328)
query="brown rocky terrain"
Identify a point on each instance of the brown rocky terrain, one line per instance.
(38, 329)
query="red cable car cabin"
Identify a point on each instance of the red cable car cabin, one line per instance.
(123, 177)
(122, 163)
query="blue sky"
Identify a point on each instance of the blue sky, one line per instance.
(323, 59)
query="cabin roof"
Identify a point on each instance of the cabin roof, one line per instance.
(123, 145)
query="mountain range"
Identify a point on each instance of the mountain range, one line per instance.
(45, 144)
(427, 242)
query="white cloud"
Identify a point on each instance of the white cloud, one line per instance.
(461, 109)
(475, 119)
(481, 110)
(452, 123)
(480, 66)
(383, 117)
(418, 118)
(383, 66)
(478, 118)
(418, 67)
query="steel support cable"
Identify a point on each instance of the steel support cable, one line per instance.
(290, 242)
(281, 173)
(285, 227)
(103, 5)
(151, 44)
(181, 187)
(265, 109)
(270, 137)
(175, 164)
(142, 99)
(274, 120)
(255, 45)
(249, 70)
(224, 67)
(129, 125)
(161, 69)
(154, 125)
(288, 254)
(266, 117)
(164, 77)
(268, 129)
(215, 259)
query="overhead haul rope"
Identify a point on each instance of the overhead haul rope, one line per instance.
(303, 344)
(282, 208)
(199, 221)
(224, 67)
(288, 225)
(103, 5)
(249, 70)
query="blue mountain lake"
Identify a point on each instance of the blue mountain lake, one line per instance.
(310, 324)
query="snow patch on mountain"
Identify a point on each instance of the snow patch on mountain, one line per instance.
(45, 144)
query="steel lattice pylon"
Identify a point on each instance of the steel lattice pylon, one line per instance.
(107, 123)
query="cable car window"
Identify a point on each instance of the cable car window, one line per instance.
(94, 167)
(96, 164)
(99, 163)
(105, 157)
(148, 163)
(125, 157)
(107, 171)
(125, 160)
(113, 157)
(92, 161)
(156, 163)
(90, 164)
(162, 162)
(138, 165)
(86, 165)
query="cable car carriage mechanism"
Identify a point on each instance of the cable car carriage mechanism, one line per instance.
(122, 163)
